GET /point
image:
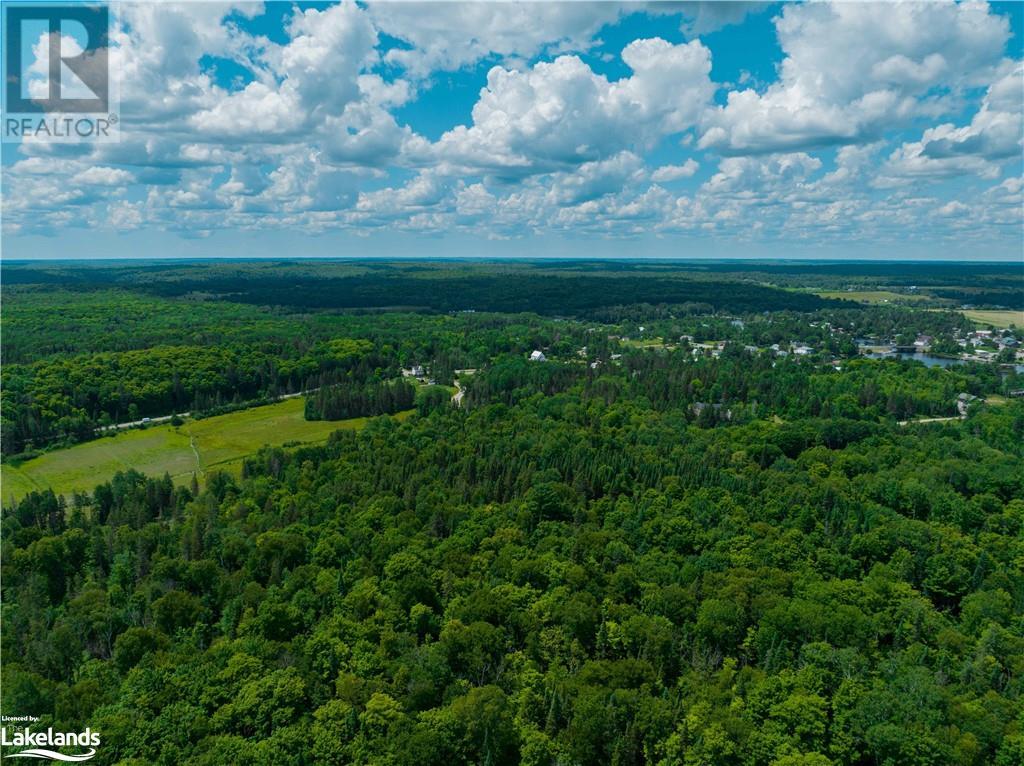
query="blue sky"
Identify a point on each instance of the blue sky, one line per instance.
(824, 130)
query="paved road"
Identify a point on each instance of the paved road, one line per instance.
(141, 422)
(930, 420)
(166, 418)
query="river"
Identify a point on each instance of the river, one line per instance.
(928, 360)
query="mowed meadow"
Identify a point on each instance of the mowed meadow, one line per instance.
(195, 447)
(995, 318)
(870, 297)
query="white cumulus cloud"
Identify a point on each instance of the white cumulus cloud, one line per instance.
(674, 172)
(853, 70)
(562, 113)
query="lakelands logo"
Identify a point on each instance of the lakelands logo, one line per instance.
(57, 73)
(39, 744)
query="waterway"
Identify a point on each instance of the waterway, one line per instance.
(928, 360)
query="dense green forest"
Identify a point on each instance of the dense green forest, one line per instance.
(575, 287)
(666, 545)
(341, 401)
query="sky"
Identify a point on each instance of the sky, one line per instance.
(546, 129)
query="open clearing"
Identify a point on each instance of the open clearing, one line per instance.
(870, 296)
(196, 446)
(643, 342)
(995, 318)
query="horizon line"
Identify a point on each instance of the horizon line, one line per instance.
(514, 258)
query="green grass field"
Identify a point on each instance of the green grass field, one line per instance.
(871, 296)
(644, 342)
(995, 318)
(221, 442)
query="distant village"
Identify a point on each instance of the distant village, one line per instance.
(1003, 346)
(989, 346)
